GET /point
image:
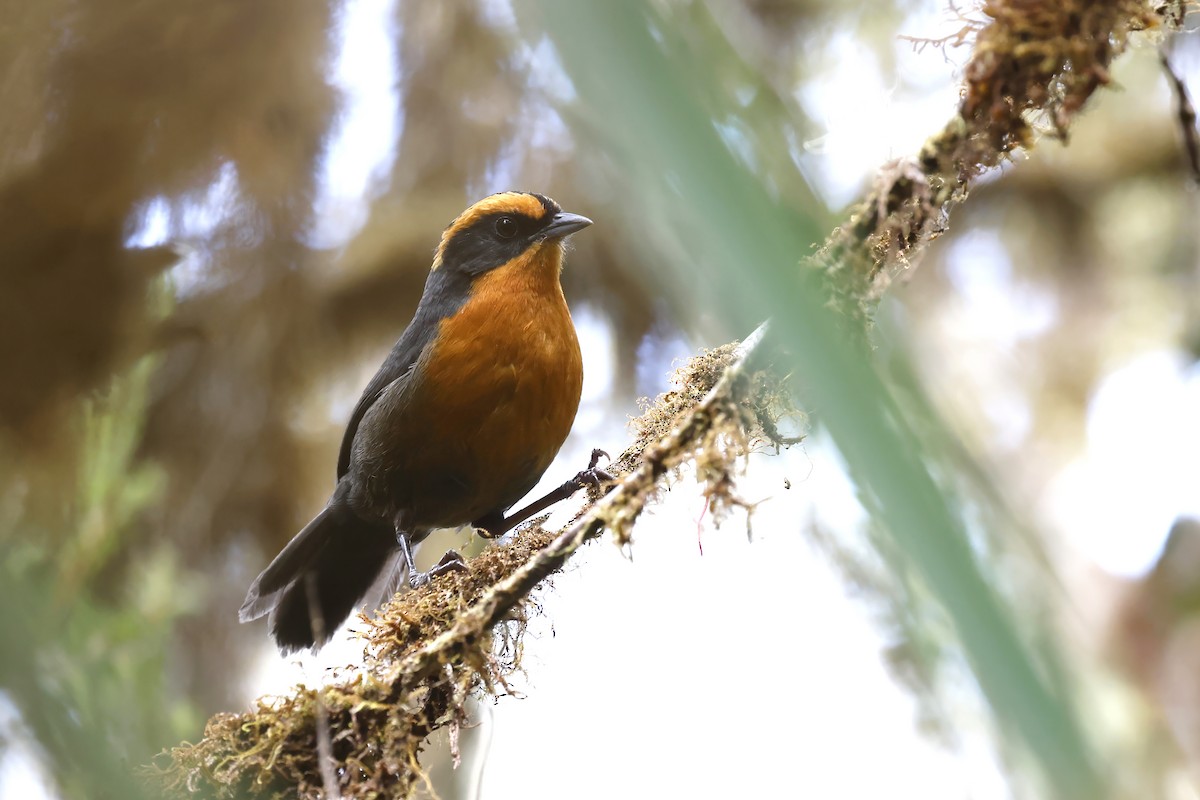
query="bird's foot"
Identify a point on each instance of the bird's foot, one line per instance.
(593, 475)
(451, 562)
(496, 524)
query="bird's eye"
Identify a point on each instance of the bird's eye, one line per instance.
(506, 227)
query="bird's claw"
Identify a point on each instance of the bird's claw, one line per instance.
(593, 475)
(451, 562)
(496, 524)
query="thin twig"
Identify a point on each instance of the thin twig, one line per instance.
(1185, 113)
(325, 760)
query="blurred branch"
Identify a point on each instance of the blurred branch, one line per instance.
(1033, 64)
(1186, 115)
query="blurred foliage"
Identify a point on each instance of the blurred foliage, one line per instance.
(89, 667)
(151, 458)
(664, 131)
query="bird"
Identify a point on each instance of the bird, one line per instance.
(461, 420)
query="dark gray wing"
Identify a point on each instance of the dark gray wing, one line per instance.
(445, 292)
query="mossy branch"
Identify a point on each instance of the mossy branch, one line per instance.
(429, 649)
(1033, 67)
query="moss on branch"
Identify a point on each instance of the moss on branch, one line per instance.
(428, 650)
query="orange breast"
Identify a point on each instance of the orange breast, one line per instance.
(497, 394)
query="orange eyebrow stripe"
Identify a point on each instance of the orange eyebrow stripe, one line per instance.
(512, 202)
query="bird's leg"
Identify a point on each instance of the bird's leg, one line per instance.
(451, 561)
(496, 524)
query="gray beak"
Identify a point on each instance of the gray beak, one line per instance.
(564, 224)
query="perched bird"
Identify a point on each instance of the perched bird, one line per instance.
(461, 421)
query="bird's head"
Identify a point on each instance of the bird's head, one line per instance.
(517, 228)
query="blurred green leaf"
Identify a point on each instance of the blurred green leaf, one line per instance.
(733, 251)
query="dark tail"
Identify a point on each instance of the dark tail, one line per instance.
(338, 554)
